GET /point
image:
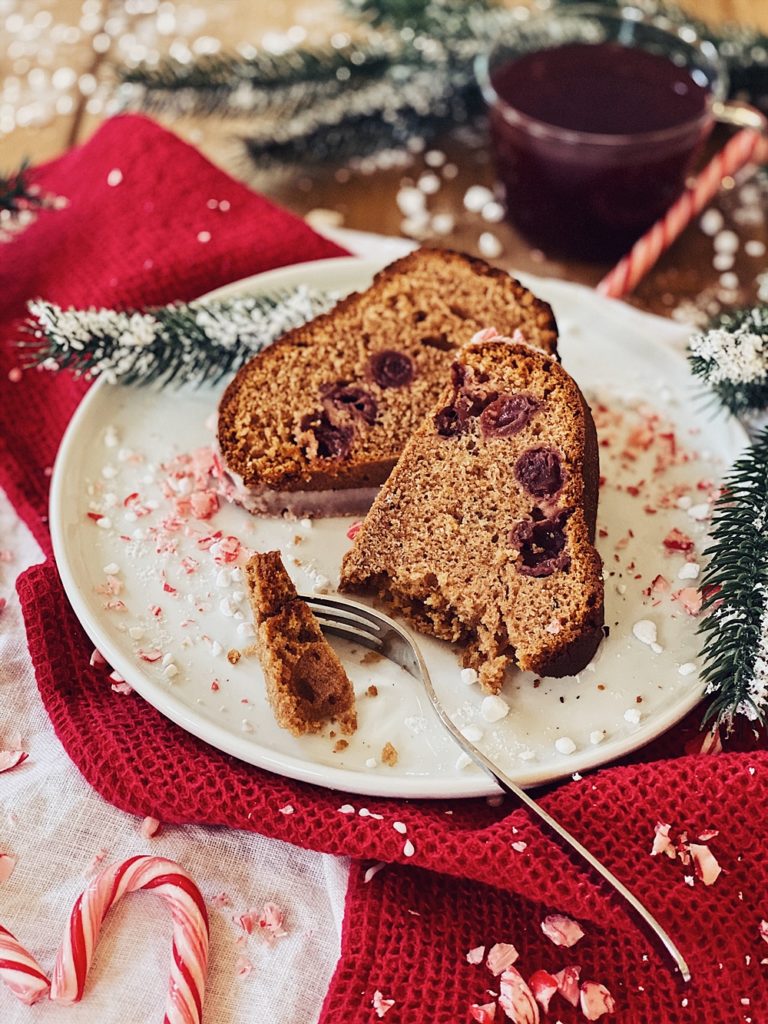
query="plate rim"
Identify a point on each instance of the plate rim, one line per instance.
(286, 764)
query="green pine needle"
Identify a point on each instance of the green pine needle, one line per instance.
(735, 628)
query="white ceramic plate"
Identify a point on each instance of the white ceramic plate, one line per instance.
(121, 438)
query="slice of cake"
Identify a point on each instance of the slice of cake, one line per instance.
(483, 534)
(306, 683)
(314, 424)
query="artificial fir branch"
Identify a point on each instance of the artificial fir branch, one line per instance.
(16, 192)
(735, 650)
(732, 358)
(293, 95)
(182, 343)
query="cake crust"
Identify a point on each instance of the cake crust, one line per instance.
(483, 534)
(332, 403)
(306, 683)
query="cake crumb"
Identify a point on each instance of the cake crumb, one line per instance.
(233, 656)
(372, 691)
(389, 755)
(340, 745)
(371, 658)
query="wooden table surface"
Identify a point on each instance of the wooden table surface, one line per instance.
(56, 79)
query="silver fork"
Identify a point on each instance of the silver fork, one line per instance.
(372, 629)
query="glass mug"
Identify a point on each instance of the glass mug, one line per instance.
(589, 161)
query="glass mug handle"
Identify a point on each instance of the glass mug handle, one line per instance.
(740, 115)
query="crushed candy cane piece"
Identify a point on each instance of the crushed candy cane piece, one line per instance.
(676, 540)
(543, 985)
(500, 957)
(762, 929)
(519, 846)
(475, 956)
(690, 598)
(288, 809)
(516, 998)
(123, 688)
(272, 920)
(96, 659)
(7, 864)
(381, 1005)
(149, 827)
(483, 1013)
(151, 655)
(221, 900)
(596, 1000)
(562, 930)
(354, 529)
(661, 841)
(11, 758)
(704, 863)
(243, 966)
(568, 984)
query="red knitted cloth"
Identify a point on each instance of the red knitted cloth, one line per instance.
(406, 932)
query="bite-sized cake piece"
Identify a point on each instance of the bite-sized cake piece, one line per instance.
(306, 683)
(314, 424)
(483, 534)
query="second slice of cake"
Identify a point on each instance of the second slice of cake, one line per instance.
(484, 532)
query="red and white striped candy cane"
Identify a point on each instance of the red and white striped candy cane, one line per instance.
(745, 147)
(20, 971)
(166, 878)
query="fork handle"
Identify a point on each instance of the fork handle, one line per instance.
(510, 787)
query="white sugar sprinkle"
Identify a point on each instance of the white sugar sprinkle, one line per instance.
(408, 848)
(633, 716)
(726, 241)
(400, 826)
(489, 245)
(443, 223)
(245, 629)
(687, 668)
(170, 671)
(429, 183)
(245, 726)
(371, 762)
(136, 632)
(711, 222)
(104, 523)
(288, 809)
(476, 197)
(699, 512)
(112, 569)
(493, 212)
(204, 236)
(565, 745)
(597, 736)
(373, 870)
(526, 754)
(114, 177)
(167, 659)
(347, 809)
(656, 648)
(494, 708)
(468, 676)
(472, 733)
(645, 631)
(689, 571)
(463, 761)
